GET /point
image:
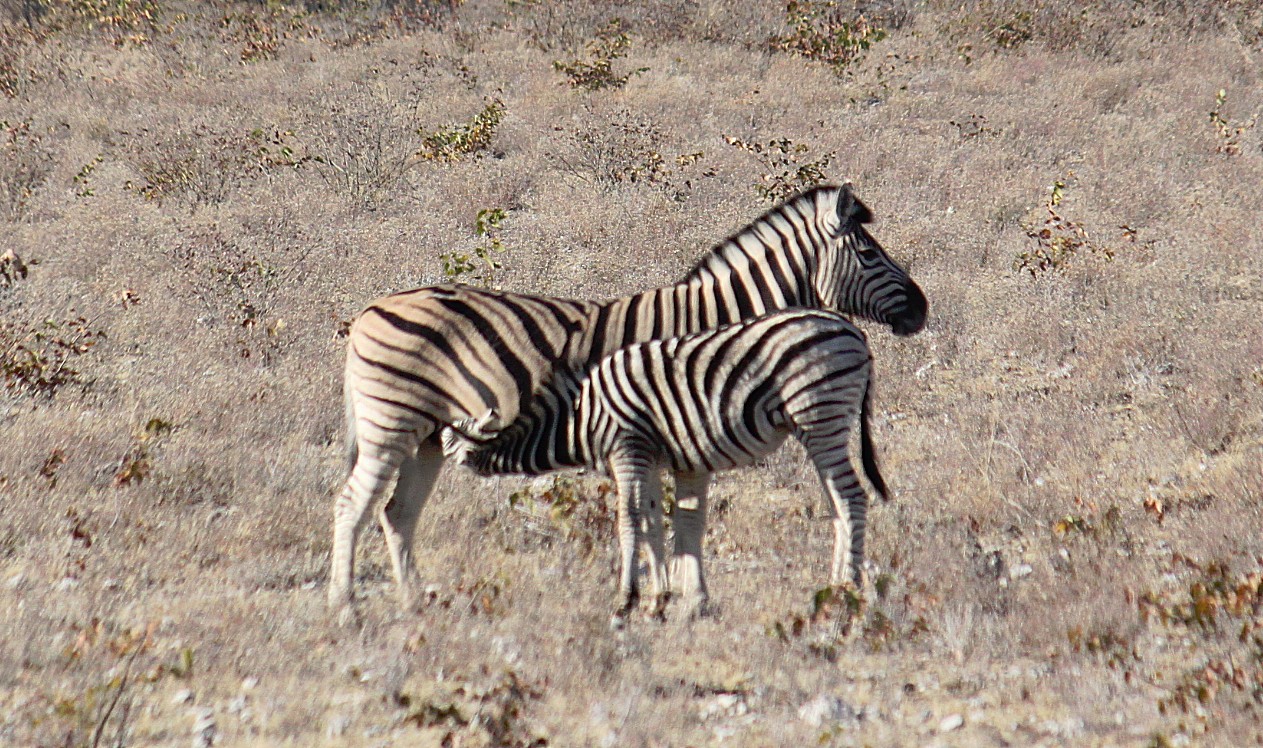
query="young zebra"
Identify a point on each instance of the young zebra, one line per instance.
(421, 359)
(698, 404)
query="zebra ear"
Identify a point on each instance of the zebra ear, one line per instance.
(850, 208)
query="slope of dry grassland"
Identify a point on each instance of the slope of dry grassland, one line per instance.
(196, 197)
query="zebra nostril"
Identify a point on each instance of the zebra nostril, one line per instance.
(911, 318)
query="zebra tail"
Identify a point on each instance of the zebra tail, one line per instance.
(352, 447)
(867, 455)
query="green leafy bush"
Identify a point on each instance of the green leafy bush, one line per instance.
(459, 141)
(821, 31)
(597, 72)
(478, 265)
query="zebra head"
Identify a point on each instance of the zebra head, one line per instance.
(856, 276)
(462, 438)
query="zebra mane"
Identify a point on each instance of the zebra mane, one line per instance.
(805, 204)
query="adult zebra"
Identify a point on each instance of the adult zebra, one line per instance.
(699, 404)
(421, 359)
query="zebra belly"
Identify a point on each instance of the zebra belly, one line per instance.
(724, 454)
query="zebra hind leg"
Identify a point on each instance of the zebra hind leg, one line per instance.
(398, 517)
(686, 578)
(630, 472)
(373, 476)
(652, 510)
(848, 504)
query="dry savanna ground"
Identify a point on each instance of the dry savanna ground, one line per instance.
(196, 197)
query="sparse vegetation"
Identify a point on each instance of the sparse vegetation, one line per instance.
(1229, 132)
(137, 463)
(1072, 555)
(786, 174)
(122, 22)
(821, 30)
(492, 713)
(38, 360)
(1225, 610)
(455, 142)
(205, 168)
(568, 509)
(628, 150)
(480, 264)
(1057, 239)
(260, 33)
(25, 163)
(369, 143)
(597, 72)
(82, 177)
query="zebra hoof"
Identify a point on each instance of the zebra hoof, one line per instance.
(698, 607)
(618, 621)
(658, 611)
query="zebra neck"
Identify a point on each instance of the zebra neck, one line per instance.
(705, 300)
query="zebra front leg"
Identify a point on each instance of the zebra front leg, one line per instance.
(371, 478)
(687, 578)
(398, 517)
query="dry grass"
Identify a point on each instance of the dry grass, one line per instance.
(199, 195)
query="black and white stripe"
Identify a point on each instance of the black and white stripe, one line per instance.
(421, 359)
(699, 404)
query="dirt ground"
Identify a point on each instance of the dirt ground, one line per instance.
(195, 198)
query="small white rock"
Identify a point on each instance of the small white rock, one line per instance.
(16, 580)
(237, 705)
(1021, 570)
(337, 727)
(183, 696)
(250, 683)
(825, 708)
(203, 727)
(951, 722)
(724, 704)
(506, 647)
(66, 584)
